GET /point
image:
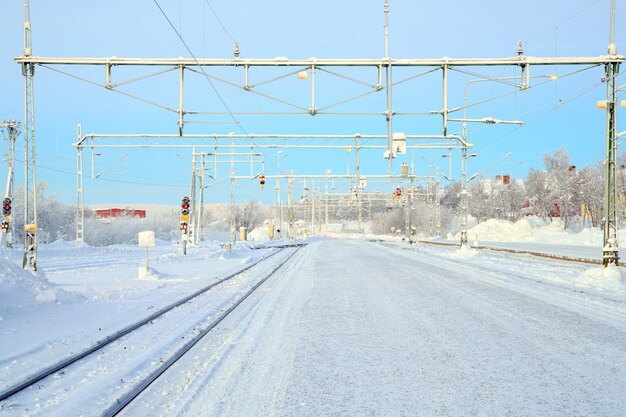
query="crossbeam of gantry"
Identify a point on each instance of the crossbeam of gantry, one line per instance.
(384, 67)
(262, 141)
(285, 62)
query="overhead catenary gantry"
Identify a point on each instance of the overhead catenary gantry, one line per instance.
(216, 142)
(311, 67)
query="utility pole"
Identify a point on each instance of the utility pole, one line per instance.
(312, 206)
(389, 97)
(80, 203)
(289, 212)
(437, 204)
(326, 201)
(411, 202)
(200, 230)
(8, 225)
(464, 194)
(233, 232)
(192, 215)
(357, 168)
(610, 254)
(30, 166)
(280, 203)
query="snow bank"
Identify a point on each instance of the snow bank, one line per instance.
(259, 234)
(605, 279)
(463, 252)
(20, 289)
(532, 229)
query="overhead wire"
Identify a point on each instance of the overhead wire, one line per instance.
(220, 21)
(566, 20)
(584, 91)
(201, 68)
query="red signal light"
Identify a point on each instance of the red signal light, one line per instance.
(6, 206)
(184, 206)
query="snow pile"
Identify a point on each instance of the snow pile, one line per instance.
(532, 229)
(20, 289)
(605, 279)
(148, 274)
(259, 234)
(464, 252)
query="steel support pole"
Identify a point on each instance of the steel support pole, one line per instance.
(464, 194)
(280, 202)
(444, 99)
(389, 115)
(610, 255)
(181, 99)
(80, 207)
(201, 207)
(312, 111)
(192, 206)
(312, 206)
(30, 168)
(357, 168)
(326, 204)
(289, 213)
(437, 205)
(8, 225)
(233, 232)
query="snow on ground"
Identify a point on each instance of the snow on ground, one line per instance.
(354, 328)
(491, 333)
(79, 295)
(534, 234)
(20, 289)
(532, 229)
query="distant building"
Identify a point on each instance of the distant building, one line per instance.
(111, 213)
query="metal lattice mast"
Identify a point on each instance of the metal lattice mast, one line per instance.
(201, 208)
(233, 232)
(192, 211)
(289, 209)
(80, 204)
(8, 225)
(464, 194)
(389, 111)
(357, 169)
(437, 204)
(610, 255)
(30, 170)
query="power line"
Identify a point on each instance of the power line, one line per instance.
(566, 20)
(201, 69)
(206, 75)
(220, 21)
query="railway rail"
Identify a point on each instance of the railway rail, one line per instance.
(58, 369)
(523, 252)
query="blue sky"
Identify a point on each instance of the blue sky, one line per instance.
(557, 114)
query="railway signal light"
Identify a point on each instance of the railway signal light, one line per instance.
(6, 206)
(184, 206)
(5, 226)
(398, 193)
(262, 181)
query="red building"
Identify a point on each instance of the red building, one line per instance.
(110, 213)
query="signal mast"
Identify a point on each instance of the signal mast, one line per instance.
(7, 225)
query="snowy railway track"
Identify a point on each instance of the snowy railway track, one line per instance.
(199, 328)
(598, 306)
(522, 252)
